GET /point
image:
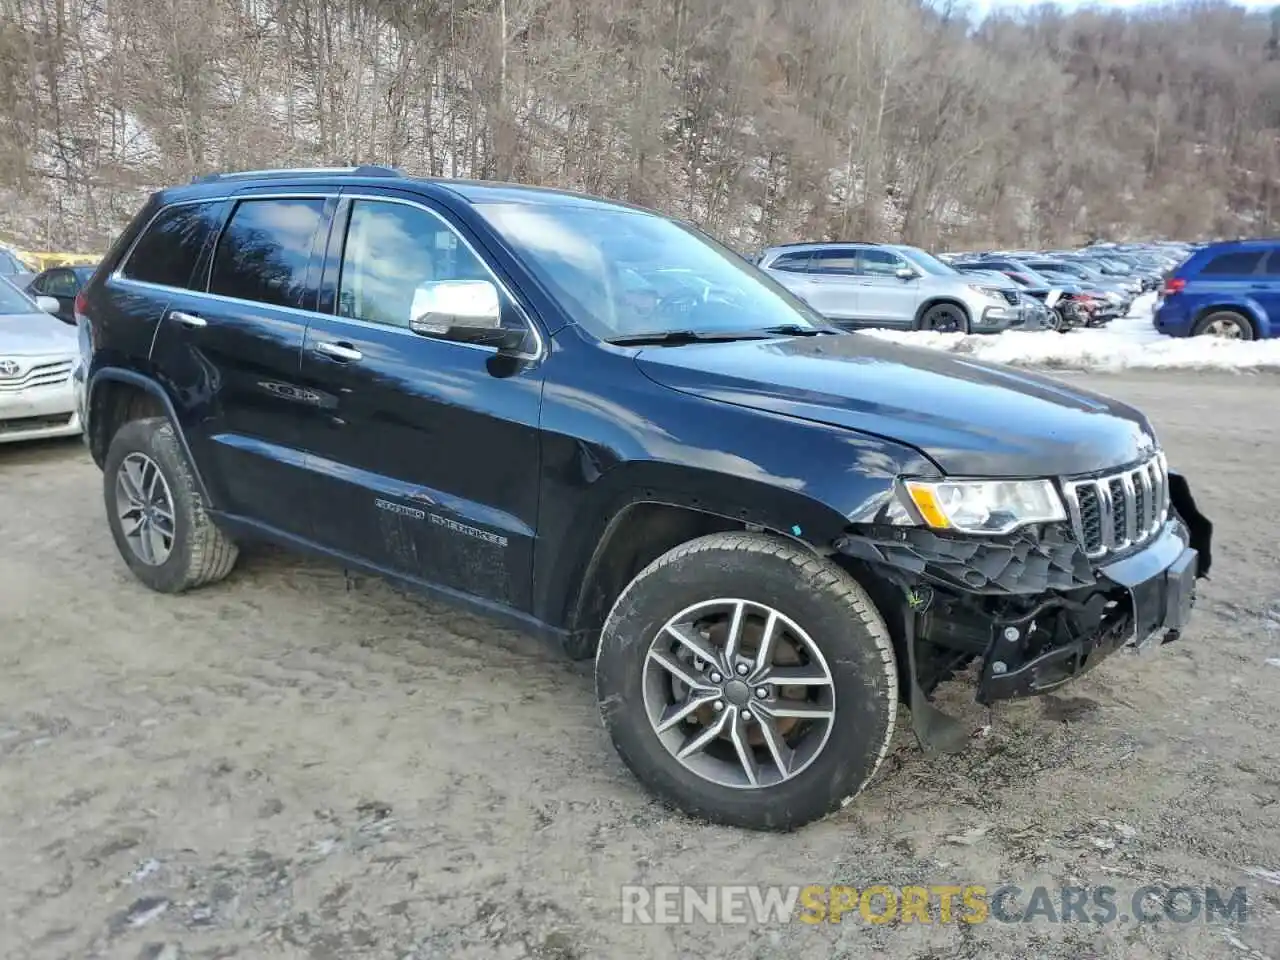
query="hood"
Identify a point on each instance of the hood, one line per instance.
(971, 418)
(36, 334)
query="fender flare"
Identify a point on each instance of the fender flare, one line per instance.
(143, 382)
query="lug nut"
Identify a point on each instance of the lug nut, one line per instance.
(746, 715)
(715, 677)
(762, 692)
(743, 669)
(998, 667)
(718, 705)
(1011, 633)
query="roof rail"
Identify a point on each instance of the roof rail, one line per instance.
(366, 170)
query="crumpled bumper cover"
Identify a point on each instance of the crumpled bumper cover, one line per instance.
(1027, 562)
(1161, 583)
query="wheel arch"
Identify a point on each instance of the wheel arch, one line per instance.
(116, 396)
(634, 536)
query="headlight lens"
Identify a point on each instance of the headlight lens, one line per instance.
(985, 506)
(995, 293)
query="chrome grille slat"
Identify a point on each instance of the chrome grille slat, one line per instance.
(1122, 509)
(40, 375)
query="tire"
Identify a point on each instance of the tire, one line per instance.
(199, 553)
(1226, 324)
(944, 318)
(809, 592)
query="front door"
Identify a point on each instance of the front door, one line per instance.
(886, 297)
(425, 451)
(232, 349)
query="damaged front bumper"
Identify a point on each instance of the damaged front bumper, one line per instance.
(1032, 606)
(1160, 583)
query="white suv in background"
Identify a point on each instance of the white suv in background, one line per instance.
(890, 285)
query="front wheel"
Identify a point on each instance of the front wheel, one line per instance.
(944, 318)
(747, 681)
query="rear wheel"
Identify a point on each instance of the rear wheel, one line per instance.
(1226, 324)
(945, 318)
(156, 513)
(745, 680)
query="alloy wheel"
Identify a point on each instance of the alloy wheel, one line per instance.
(738, 693)
(1226, 328)
(144, 505)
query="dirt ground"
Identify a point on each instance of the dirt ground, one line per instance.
(288, 765)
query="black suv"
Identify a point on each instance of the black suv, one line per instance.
(599, 424)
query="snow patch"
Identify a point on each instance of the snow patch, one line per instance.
(1128, 343)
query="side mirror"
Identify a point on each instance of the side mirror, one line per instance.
(48, 304)
(466, 311)
(905, 273)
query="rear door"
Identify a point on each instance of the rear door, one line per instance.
(886, 298)
(835, 289)
(231, 349)
(1266, 289)
(425, 451)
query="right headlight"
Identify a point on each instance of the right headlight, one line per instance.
(984, 506)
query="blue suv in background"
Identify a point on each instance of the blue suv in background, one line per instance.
(1227, 290)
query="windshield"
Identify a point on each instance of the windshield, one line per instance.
(926, 261)
(12, 301)
(626, 273)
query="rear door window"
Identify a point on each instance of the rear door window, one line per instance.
(837, 263)
(1272, 266)
(265, 251)
(1240, 263)
(167, 253)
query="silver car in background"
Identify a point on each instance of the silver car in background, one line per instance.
(891, 285)
(37, 353)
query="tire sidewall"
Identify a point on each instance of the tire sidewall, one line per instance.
(153, 437)
(1246, 328)
(865, 691)
(926, 324)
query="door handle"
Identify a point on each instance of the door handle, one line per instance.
(188, 319)
(340, 351)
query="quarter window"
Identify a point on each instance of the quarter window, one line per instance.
(791, 262)
(391, 250)
(169, 249)
(265, 251)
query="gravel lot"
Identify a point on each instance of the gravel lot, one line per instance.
(291, 765)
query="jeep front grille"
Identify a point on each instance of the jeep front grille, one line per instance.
(1119, 510)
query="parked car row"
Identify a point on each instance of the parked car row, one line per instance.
(857, 285)
(1093, 285)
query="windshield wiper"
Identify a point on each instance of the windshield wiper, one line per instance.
(673, 338)
(796, 330)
